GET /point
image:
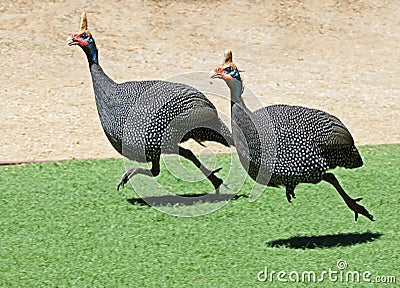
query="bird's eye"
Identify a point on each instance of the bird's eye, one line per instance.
(228, 69)
(84, 35)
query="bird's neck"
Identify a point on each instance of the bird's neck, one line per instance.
(236, 88)
(91, 53)
(105, 95)
(106, 101)
(103, 85)
(241, 116)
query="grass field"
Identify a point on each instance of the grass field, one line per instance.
(64, 224)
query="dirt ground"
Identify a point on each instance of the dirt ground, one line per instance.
(341, 56)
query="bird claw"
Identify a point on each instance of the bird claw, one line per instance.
(123, 181)
(290, 196)
(215, 180)
(358, 209)
(216, 170)
(120, 185)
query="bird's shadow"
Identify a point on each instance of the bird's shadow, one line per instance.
(325, 241)
(183, 199)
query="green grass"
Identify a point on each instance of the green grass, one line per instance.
(64, 224)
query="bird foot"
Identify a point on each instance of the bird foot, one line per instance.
(123, 181)
(290, 195)
(125, 177)
(137, 170)
(215, 180)
(358, 209)
(216, 170)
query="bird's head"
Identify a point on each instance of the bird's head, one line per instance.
(227, 70)
(83, 38)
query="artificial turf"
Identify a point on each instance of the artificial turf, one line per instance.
(64, 224)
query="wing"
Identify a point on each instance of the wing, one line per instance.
(339, 136)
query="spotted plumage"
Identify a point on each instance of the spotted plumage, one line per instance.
(143, 119)
(287, 145)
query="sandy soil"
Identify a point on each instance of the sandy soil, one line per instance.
(340, 56)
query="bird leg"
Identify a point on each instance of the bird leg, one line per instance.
(351, 203)
(290, 193)
(216, 182)
(155, 170)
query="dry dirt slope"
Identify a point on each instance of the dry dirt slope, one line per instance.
(341, 56)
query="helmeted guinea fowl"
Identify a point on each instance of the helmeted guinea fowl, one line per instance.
(287, 145)
(143, 119)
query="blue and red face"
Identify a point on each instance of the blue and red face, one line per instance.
(82, 39)
(227, 72)
(86, 42)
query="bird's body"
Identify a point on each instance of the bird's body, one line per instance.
(308, 142)
(143, 119)
(287, 145)
(154, 116)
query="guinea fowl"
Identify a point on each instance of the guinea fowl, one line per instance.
(287, 145)
(143, 119)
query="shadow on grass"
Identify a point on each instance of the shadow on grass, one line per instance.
(325, 241)
(184, 199)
